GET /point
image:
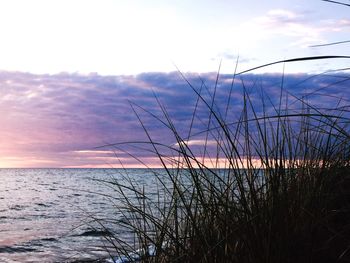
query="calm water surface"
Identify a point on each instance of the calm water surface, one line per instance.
(45, 213)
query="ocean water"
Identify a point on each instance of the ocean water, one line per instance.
(45, 214)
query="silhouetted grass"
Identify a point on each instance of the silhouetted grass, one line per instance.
(269, 185)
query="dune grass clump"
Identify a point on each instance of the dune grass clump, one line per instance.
(270, 183)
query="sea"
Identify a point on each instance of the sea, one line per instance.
(47, 215)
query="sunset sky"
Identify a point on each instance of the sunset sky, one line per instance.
(70, 68)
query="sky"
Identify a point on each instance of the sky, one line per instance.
(70, 69)
(128, 37)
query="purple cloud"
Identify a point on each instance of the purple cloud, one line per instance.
(59, 120)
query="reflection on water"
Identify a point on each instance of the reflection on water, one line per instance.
(44, 213)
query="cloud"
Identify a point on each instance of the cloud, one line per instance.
(59, 120)
(277, 17)
(198, 142)
(300, 26)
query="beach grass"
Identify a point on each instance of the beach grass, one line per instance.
(270, 183)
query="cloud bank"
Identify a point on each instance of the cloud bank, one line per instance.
(59, 120)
